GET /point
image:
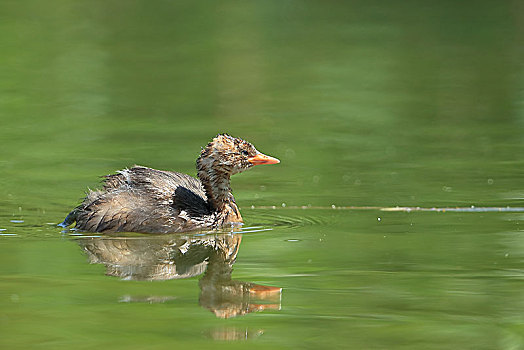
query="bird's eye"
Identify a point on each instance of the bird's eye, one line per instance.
(245, 153)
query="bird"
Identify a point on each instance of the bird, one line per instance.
(146, 200)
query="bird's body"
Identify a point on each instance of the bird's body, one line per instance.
(142, 199)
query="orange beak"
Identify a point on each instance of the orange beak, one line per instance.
(262, 159)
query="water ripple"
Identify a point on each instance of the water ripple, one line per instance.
(472, 209)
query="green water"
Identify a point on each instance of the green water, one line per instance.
(366, 103)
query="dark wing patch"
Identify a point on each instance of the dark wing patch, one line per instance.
(193, 204)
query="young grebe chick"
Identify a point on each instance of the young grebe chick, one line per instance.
(142, 199)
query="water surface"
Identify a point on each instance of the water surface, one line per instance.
(367, 104)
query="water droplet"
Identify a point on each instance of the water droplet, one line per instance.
(490, 181)
(378, 219)
(333, 206)
(283, 205)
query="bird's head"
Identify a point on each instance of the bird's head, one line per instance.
(231, 155)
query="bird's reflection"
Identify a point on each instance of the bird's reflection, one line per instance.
(183, 256)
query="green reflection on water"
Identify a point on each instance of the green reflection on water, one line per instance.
(366, 104)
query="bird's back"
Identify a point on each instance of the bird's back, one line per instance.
(142, 199)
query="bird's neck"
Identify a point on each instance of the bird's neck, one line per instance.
(216, 183)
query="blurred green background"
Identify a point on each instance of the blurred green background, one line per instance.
(366, 103)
